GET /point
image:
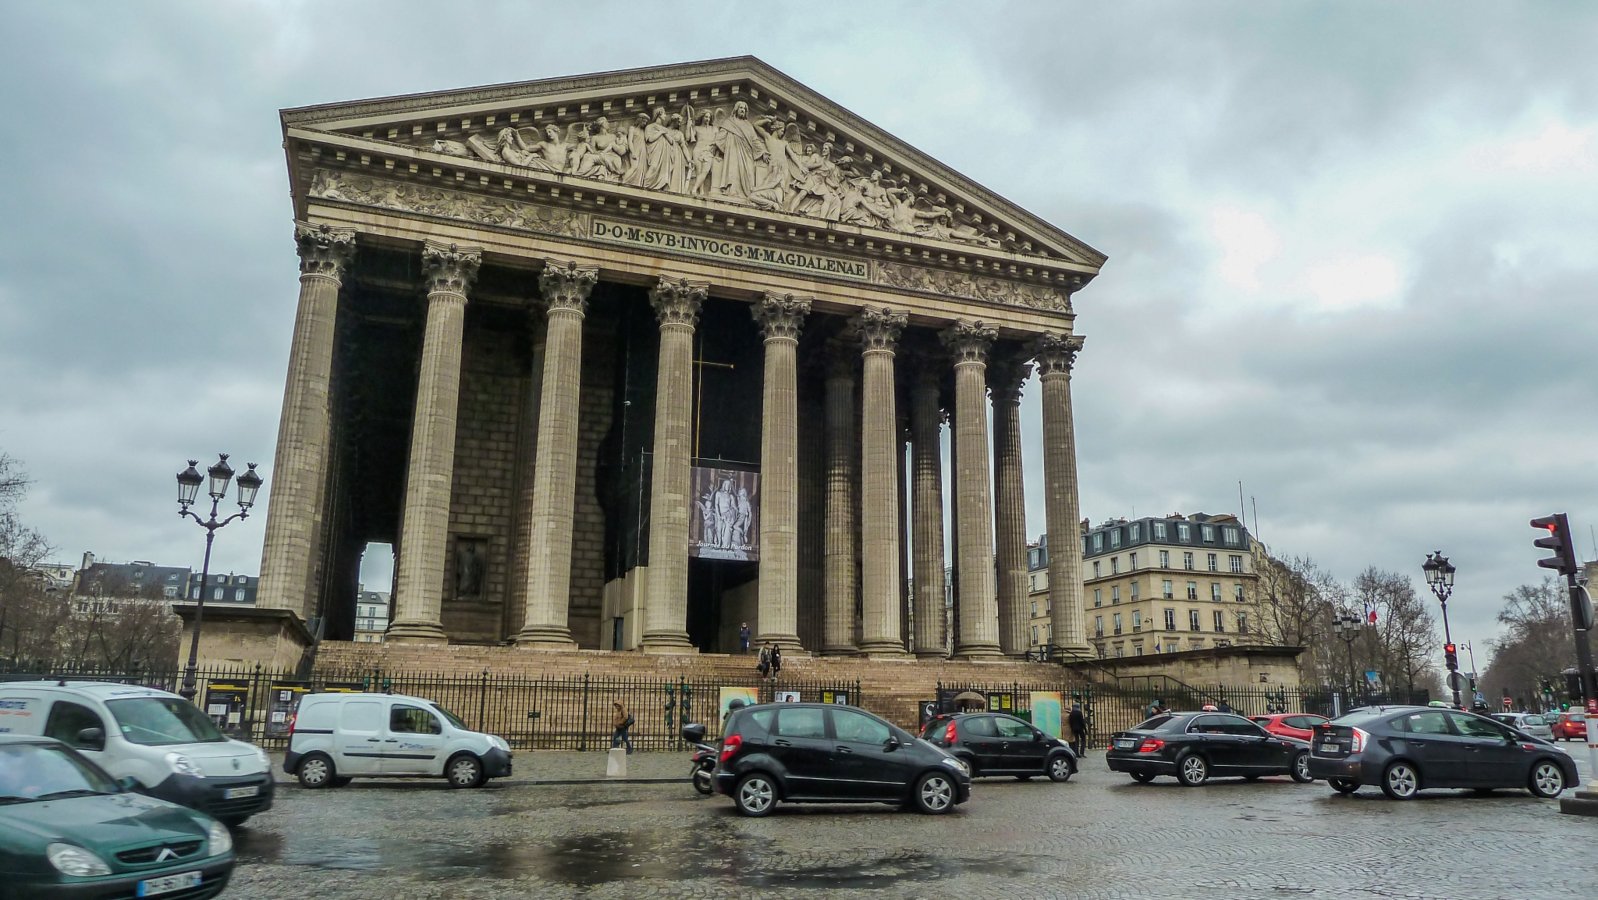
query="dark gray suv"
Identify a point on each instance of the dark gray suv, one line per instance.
(825, 753)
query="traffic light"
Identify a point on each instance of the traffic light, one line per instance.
(1558, 540)
(1451, 656)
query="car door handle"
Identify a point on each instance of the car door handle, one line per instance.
(391, 740)
(844, 750)
(782, 743)
(371, 740)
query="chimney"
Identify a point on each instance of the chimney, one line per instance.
(88, 559)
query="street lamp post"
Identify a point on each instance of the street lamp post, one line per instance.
(189, 481)
(1347, 626)
(1440, 578)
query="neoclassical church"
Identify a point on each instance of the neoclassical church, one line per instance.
(627, 361)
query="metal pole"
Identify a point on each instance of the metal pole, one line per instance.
(1448, 639)
(187, 691)
(1588, 677)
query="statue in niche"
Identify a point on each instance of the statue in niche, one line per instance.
(740, 146)
(470, 567)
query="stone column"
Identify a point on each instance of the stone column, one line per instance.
(1055, 355)
(926, 465)
(424, 531)
(780, 316)
(879, 484)
(841, 584)
(1006, 377)
(968, 343)
(299, 468)
(666, 599)
(565, 294)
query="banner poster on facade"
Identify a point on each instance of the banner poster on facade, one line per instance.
(727, 524)
(1048, 708)
(750, 696)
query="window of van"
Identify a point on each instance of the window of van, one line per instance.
(158, 721)
(412, 720)
(450, 717)
(67, 719)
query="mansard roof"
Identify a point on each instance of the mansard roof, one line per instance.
(867, 181)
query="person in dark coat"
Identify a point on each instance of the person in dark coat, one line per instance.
(776, 661)
(1079, 730)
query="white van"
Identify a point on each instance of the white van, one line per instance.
(335, 737)
(166, 744)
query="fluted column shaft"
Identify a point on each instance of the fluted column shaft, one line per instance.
(677, 306)
(1009, 524)
(968, 341)
(926, 465)
(1056, 354)
(880, 631)
(299, 468)
(565, 294)
(841, 560)
(424, 532)
(780, 318)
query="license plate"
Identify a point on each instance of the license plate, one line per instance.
(1124, 744)
(166, 884)
(238, 792)
(1330, 748)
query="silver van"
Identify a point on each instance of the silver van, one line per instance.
(335, 737)
(166, 744)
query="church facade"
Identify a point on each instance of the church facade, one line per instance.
(631, 360)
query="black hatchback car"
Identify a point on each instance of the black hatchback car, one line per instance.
(997, 744)
(825, 753)
(1195, 746)
(1406, 749)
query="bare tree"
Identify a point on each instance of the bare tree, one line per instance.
(23, 594)
(1297, 599)
(1538, 642)
(1402, 645)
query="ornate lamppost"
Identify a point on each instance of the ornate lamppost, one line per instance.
(1440, 578)
(1347, 626)
(189, 481)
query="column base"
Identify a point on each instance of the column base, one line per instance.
(416, 632)
(939, 653)
(979, 652)
(668, 643)
(882, 649)
(840, 650)
(545, 637)
(787, 643)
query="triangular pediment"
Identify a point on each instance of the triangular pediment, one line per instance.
(731, 132)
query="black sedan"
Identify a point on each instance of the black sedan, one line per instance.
(998, 744)
(825, 753)
(1196, 746)
(1406, 749)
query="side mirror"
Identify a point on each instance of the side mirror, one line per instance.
(890, 745)
(91, 739)
(1037, 737)
(128, 784)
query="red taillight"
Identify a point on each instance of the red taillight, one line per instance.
(949, 733)
(730, 745)
(1151, 745)
(1360, 737)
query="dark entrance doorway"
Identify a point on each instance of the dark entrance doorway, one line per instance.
(721, 595)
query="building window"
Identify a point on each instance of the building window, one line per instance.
(171, 593)
(1236, 561)
(1231, 535)
(1032, 582)
(1134, 531)
(1215, 591)
(1159, 531)
(1115, 538)
(1034, 635)
(1192, 620)
(1098, 626)
(1115, 593)
(1034, 611)
(1117, 622)
(1137, 649)
(1098, 596)
(1095, 568)
(1192, 590)
(1220, 621)
(1131, 560)
(1137, 619)
(216, 594)
(1184, 532)
(195, 594)
(1166, 586)
(1170, 620)
(1242, 623)
(1118, 653)
(1048, 629)
(1098, 540)
(1115, 565)
(1134, 590)
(238, 594)
(1208, 531)
(1165, 559)
(1238, 590)
(1171, 647)
(1187, 561)
(1214, 563)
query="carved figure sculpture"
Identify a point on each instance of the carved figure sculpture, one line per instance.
(740, 147)
(637, 160)
(603, 155)
(549, 155)
(781, 166)
(667, 166)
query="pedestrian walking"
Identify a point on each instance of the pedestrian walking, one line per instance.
(743, 638)
(621, 722)
(776, 661)
(1079, 730)
(763, 663)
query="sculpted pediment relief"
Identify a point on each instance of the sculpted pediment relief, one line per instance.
(728, 131)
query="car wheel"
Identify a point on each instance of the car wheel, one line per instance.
(316, 771)
(1400, 781)
(1343, 785)
(1300, 770)
(1192, 770)
(934, 793)
(1142, 777)
(1547, 779)
(756, 795)
(1059, 767)
(702, 782)
(464, 771)
(232, 821)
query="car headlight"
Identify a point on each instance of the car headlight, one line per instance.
(957, 765)
(70, 859)
(218, 839)
(182, 765)
(498, 743)
(263, 759)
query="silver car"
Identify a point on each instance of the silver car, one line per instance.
(1531, 723)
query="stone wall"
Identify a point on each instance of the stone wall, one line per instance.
(1236, 666)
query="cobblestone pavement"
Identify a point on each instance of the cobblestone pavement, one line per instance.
(1100, 835)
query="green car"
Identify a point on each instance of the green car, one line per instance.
(67, 830)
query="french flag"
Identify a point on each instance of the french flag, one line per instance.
(1370, 613)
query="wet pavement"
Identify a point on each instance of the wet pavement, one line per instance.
(1098, 836)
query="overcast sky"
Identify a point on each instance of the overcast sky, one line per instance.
(1351, 245)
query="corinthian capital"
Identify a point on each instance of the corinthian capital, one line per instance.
(1007, 373)
(323, 249)
(781, 316)
(1056, 353)
(448, 268)
(879, 328)
(566, 286)
(677, 302)
(968, 340)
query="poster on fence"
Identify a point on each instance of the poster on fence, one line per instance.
(785, 697)
(747, 696)
(1001, 701)
(282, 704)
(1047, 711)
(224, 703)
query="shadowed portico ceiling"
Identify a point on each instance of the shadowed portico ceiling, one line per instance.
(722, 146)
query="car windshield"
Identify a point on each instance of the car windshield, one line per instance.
(451, 717)
(158, 721)
(30, 772)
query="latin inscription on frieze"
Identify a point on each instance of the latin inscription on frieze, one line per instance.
(728, 249)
